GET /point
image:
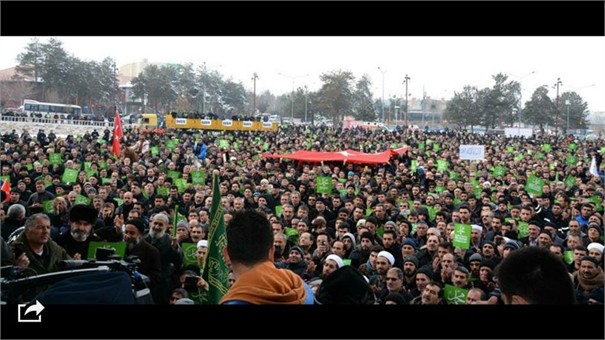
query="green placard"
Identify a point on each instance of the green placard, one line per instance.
(189, 253)
(462, 235)
(518, 157)
(346, 262)
(102, 165)
(155, 151)
(162, 191)
(266, 146)
(180, 183)
(414, 166)
(523, 229)
(534, 185)
(546, 147)
(454, 295)
(223, 143)
(170, 144)
(499, 171)
(119, 247)
(90, 173)
(87, 166)
(597, 201)
(173, 174)
(69, 176)
(572, 146)
(570, 181)
(439, 189)
(55, 158)
(432, 212)
(436, 147)
(105, 181)
(454, 175)
(119, 201)
(278, 209)
(510, 149)
(81, 199)
(29, 166)
(540, 155)
(292, 235)
(421, 146)
(323, 185)
(48, 206)
(198, 177)
(442, 165)
(568, 256)
(571, 160)
(380, 231)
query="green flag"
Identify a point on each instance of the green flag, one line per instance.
(534, 185)
(216, 272)
(454, 295)
(189, 253)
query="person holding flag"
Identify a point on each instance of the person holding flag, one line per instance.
(117, 134)
(216, 271)
(250, 251)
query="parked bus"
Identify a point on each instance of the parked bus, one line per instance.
(49, 110)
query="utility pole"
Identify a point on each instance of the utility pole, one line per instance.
(255, 76)
(406, 81)
(306, 100)
(382, 102)
(557, 107)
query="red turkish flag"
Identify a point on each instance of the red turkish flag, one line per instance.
(117, 134)
(6, 187)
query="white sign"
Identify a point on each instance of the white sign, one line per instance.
(267, 125)
(247, 124)
(472, 152)
(206, 122)
(181, 121)
(518, 132)
(227, 122)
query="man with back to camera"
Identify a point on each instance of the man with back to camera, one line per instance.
(534, 275)
(250, 251)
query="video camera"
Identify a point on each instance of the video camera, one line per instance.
(15, 281)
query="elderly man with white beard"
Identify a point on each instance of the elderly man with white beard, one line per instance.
(76, 241)
(171, 255)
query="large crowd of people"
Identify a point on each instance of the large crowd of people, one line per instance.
(383, 234)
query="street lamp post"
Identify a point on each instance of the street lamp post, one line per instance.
(292, 99)
(254, 77)
(306, 100)
(520, 111)
(382, 102)
(204, 85)
(557, 107)
(406, 81)
(567, 103)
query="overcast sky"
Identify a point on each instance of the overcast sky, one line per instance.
(439, 66)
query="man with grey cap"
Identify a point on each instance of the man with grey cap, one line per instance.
(76, 241)
(410, 268)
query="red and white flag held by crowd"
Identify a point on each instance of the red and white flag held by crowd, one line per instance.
(117, 134)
